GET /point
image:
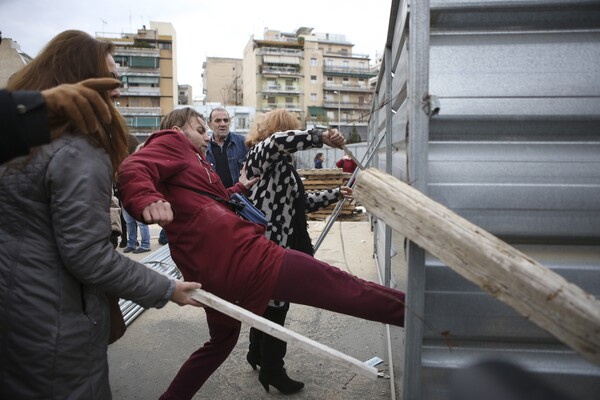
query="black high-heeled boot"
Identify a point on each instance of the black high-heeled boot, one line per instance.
(280, 381)
(272, 352)
(253, 355)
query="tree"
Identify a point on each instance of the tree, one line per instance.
(354, 137)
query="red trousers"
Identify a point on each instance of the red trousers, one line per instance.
(302, 280)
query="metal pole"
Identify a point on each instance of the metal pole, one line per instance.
(338, 208)
(339, 109)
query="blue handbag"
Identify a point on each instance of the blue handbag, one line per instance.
(237, 203)
(246, 209)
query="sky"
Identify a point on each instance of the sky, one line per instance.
(220, 28)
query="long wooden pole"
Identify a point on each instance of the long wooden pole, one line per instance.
(537, 293)
(284, 334)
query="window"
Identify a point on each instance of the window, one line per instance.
(313, 62)
(144, 62)
(313, 97)
(346, 65)
(313, 79)
(328, 63)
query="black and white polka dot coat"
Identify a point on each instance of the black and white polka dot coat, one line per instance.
(277, 187)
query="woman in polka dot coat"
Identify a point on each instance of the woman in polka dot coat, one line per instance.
(280, 194)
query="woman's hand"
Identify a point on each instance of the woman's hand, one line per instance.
(346, 192)
(248, 183)
(333, 138)
(183, 294)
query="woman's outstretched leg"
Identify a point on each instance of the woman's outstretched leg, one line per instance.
(305, 280)
(204, 361)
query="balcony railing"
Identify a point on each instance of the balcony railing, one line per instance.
(140, 91)
(347, 104)
(280, 70)
(125, 71)
(294, 107)
(136, 51)
(279, 89)
(146, 111)
(361, 72)
(346, 54)
(277, 51)
(348, 88)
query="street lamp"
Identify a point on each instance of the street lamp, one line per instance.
(339, 115)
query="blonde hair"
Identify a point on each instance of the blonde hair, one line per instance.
(274, 121)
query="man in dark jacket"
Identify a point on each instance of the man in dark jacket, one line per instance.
(30, 117)
(226, 150)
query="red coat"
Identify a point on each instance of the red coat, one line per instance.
(210, 244)
(347, 165)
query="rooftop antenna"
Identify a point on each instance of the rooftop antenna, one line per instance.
(103, 25)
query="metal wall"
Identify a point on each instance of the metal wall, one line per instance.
(492, 108)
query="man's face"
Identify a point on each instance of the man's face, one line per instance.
(112, 67)
(195, 130)
(219, 123)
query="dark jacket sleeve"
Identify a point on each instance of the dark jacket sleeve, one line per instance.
(80, 201)
(24, 123)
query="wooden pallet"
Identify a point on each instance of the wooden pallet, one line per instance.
(326, 178)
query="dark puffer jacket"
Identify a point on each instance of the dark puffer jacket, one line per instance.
(56, 264)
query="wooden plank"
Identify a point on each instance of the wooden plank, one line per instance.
(537, 293)
(284, 334)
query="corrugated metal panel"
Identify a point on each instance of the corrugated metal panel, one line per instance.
(515, 148)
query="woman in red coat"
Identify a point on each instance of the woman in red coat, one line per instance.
(231, 257)
(346, 163)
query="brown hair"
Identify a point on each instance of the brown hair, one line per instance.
(278, 120)
(179, 117)
(70, 57)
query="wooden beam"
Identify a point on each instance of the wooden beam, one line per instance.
(284, 334)
(537, 293)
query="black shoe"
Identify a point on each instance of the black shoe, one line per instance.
(123, 244)
(140, 250)
(162, 241)
(129, 249)
(279, 381)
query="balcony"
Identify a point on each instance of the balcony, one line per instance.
(354, 72)
(345, 54)
(136, 51)
(347, 105)
(279, 51)
(349, 88)
(277, 71)
(279, 89)
(293, 107)
(140, 91)
(137, 111)
(129, 71)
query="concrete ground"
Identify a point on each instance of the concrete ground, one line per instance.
(156, 344)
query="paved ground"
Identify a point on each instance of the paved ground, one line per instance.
(145, 360)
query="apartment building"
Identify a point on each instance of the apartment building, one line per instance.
(185, 95)
(146, 64)
(222, 81)
(12, 59)
(314, 74)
